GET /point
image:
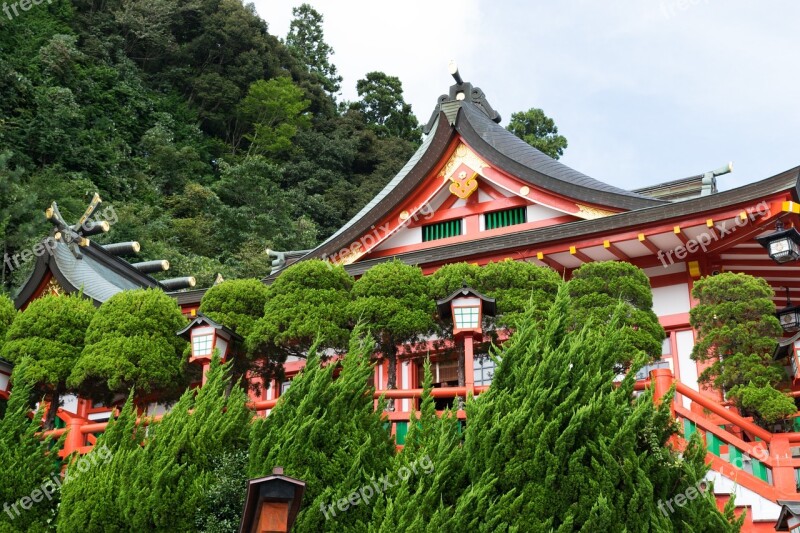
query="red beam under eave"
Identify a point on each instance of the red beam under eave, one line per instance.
(613, 249)
(573, 251)
(680, 234)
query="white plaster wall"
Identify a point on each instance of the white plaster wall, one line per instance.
(69, 403)
(671, 300)
(403, 237)
(761, 509)
(539, 212)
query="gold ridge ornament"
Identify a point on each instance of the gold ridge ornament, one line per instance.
(462, 186)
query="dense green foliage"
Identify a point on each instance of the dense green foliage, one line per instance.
(392, 298)
(736, 332)
(538, 130)
(596, 289)
(50, 335)
(7, 315)
(163, 485)
(307, 42)
(237, 304)
(326, 432)
(29, 465)
(306, 304)
(435, 471)
(211, 137)
(513, 284)
(132, 342)
(383, 107)
(554, 445)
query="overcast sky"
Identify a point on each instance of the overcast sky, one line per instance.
(644, 90)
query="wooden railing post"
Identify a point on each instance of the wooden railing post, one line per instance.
(783, 475)
(75, 438)
(662, 381)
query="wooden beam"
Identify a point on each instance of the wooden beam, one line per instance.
(580, 255)
(613, 249)
(552, 263)
(748, 262)
(766, 274)
(680, 235)
(648, 244)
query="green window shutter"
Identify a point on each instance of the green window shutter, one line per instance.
(507, 217)
(400, 432)
(441, 230)
(689, 428)
(713, 443)
(735, 456)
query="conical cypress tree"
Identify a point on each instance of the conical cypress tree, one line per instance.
(554, 445)
(326, 432)
(31, 468)
(155, 478)
(429, 471)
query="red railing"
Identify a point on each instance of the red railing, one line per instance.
(762, 463)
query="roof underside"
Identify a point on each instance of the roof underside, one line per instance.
(753, 192)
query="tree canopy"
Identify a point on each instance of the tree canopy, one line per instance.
(736, 334)
(384, 107)
(538, 130)
(213, 139)
(598, 288)
(326, 431)
(49, 334)
(157, 478)
(393, 299)
(306, 304)
(132, 342)
(306, 40)
(30, 466)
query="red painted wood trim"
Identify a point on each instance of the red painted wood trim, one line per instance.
(388, 252)
(612, 248)
(668, 280)
(678, 320)
(469, 209)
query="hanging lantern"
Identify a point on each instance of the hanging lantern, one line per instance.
(783, 245)
(207, 336)
(789, 316)
(467, 307)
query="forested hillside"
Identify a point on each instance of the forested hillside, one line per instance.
(211, 138)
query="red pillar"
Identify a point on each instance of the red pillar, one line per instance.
(662, 381)
(469, 363)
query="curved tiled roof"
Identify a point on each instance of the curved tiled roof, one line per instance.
(99, 274)
(512, 154)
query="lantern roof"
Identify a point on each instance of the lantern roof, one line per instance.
(488, 304)
(272, 487)
(202, 320)
(785, 346)
(789, 510)
(790, 233)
